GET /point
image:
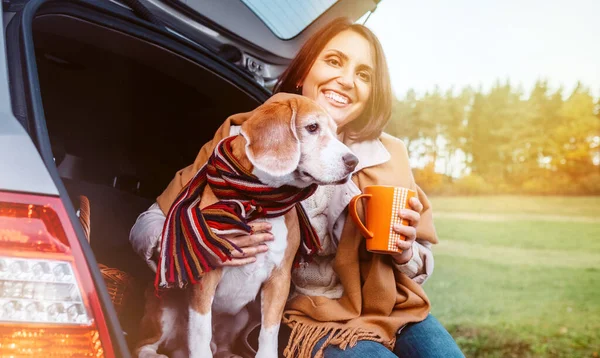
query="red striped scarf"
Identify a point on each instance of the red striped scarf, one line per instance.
(192, 242)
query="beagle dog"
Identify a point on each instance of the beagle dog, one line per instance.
(290, 142)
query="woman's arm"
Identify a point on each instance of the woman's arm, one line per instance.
(145, 238)
(417, 258)
(145, 234)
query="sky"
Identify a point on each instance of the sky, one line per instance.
(455, 43)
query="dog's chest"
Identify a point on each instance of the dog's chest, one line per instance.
(240, 285)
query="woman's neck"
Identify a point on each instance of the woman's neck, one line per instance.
(345, 138)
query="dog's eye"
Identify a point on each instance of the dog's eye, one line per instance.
(312, 128)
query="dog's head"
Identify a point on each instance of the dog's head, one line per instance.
(292, 141)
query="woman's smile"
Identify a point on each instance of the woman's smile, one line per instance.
(337, 99)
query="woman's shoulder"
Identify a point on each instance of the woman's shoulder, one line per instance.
(393, 144)
(394, 171)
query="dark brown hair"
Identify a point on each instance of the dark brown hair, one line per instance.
(370, 123)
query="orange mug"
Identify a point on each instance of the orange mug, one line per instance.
(381, 213)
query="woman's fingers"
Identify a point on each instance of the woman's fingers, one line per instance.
(251, 240)
(415, 204)
(260, 226)
(403, 245)
(251, 244)
(239, 262)
(412, 216)
(407, 231)
(249, 251)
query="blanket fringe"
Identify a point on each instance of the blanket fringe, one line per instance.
(305, 336)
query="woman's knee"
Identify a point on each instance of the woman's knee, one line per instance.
(362, 349)
(426, 339)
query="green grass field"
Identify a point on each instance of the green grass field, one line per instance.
(518, 276)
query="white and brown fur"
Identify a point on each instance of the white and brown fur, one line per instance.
(280, 145)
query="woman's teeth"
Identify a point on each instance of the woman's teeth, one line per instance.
(336, 97)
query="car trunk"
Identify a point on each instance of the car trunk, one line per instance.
(123, 114)
(266, 34)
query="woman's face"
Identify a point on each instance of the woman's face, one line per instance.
(340, 79)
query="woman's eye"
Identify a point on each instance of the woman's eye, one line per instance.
(333, 62)
(312, 128)
(364, 76)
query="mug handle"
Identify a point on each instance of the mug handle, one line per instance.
(354, 215)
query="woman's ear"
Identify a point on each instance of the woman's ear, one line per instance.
(272, 144)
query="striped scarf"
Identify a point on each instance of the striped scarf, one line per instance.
(192, 239)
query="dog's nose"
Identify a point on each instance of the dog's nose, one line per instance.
(350, 160)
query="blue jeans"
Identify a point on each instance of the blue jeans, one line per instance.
(426, 339)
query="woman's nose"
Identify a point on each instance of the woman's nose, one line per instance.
(345, 79)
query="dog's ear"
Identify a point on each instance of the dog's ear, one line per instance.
(272, 144)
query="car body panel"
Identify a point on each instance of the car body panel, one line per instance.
(21, 167)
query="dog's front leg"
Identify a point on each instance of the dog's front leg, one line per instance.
(273, 297)
(200, 319)
(275, 292)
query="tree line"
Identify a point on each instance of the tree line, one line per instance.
(502, 141)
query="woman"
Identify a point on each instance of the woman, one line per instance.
(347, 302)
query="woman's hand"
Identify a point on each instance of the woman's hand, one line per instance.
(409, 231)
(251, 244)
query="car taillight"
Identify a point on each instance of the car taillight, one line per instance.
(48, 303)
